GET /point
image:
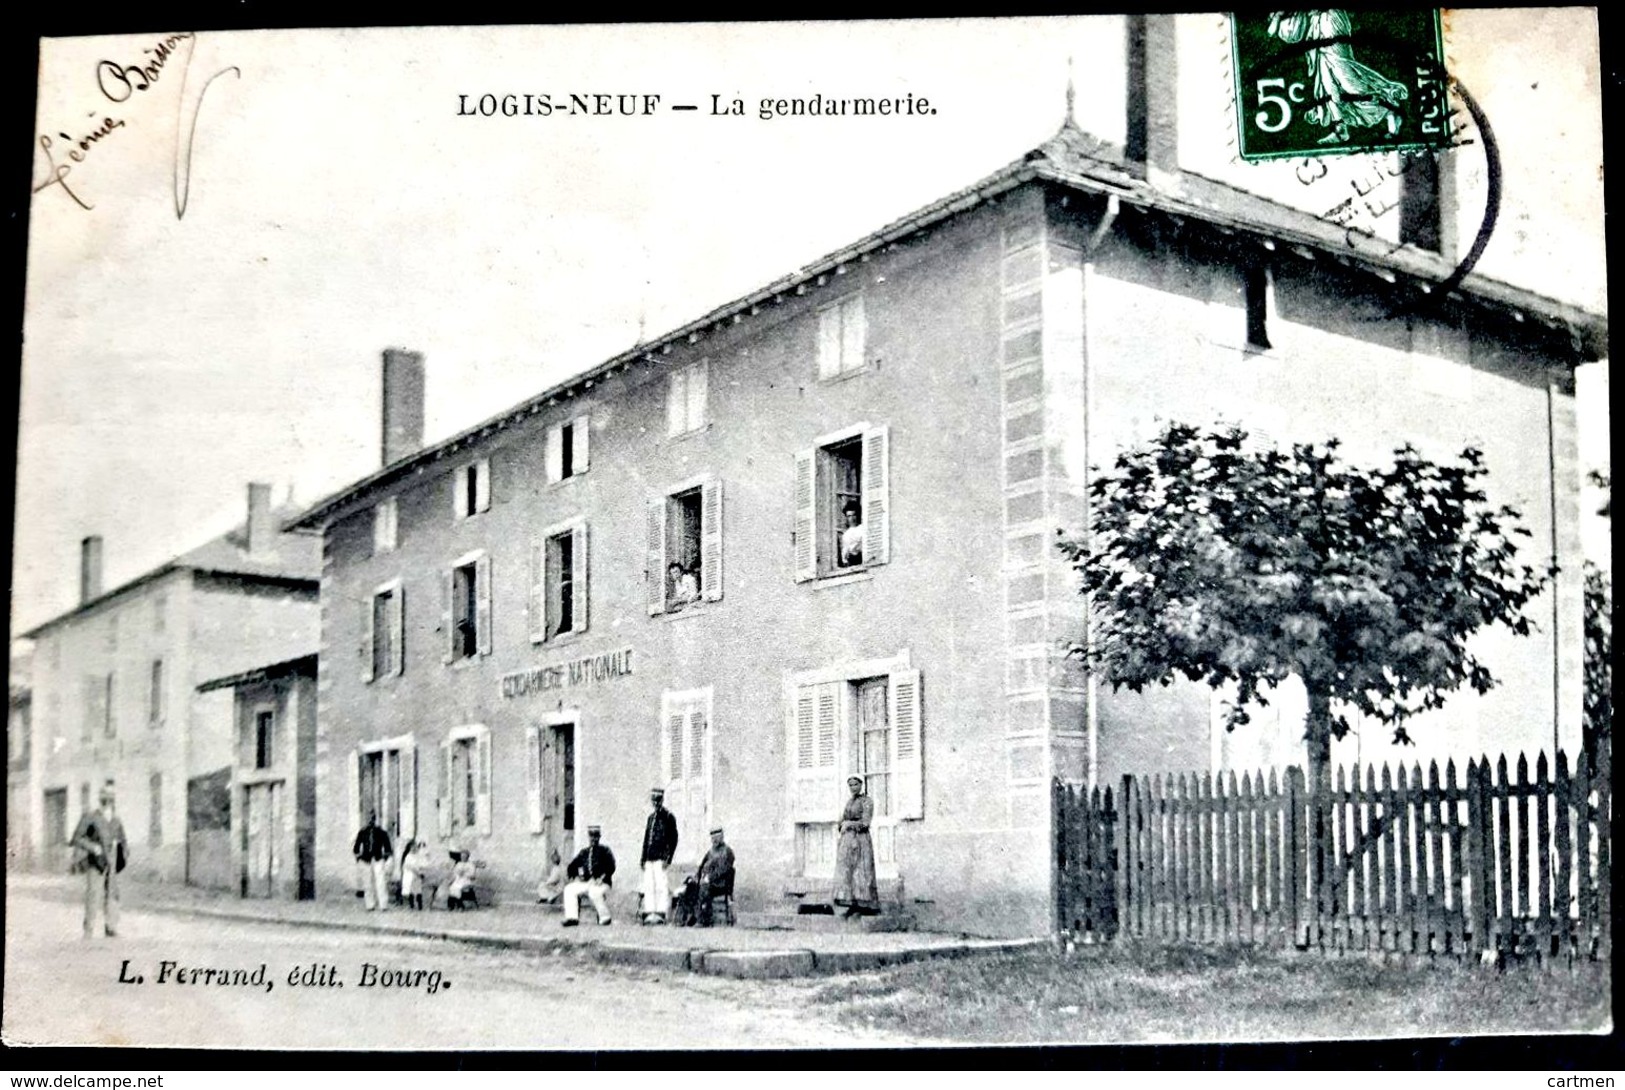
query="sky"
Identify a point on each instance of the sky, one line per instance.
(340, 200)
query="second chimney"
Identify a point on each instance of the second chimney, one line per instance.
(261, 530)
(403, 404)
(1427, 202)
(1151, 140)
(90, 569)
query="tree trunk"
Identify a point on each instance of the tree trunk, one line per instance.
(1318, 740)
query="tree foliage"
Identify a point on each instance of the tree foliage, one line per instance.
(1599, 641)
(1225, 562)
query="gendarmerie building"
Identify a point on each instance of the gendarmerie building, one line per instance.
(810, 534)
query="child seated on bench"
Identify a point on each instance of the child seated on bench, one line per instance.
(460, 891)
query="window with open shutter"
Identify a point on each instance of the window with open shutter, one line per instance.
(815, 723)
(697, 797)
(553, 454)
(459, 492)
(482, 485)
(537, 610)
(711, 541)
(578, 578)
(907, 757)
(876, 501)
(581, 445)
(482, 789)
(482, 615)
(806, 527)
(448, 626)
(533, 777)
(367, 605)
(655, 556)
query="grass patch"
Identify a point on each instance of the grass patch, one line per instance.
(1125, 994)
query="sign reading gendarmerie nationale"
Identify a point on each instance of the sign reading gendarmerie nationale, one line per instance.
(592, 670)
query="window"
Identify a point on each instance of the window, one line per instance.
(567, 452)
(155, 694)
(264, 732)
(840, 337)
(843, 514)
(550, 780)
(558, 582)
(684, 562)
(857, 722)
(384, 782)
(98, 707)
(471, 489)
(385, 526)
(155, 810)
(466, 608)
(685, 399)
(1258, 290)
(383, 632)
(109, 708)
(465, 782)
(685, 762)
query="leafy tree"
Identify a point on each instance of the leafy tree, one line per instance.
(1230, 564)
(1599, 643)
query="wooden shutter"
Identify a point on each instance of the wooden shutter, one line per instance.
(876, 502)
(533, 777)
(397, 662)
(676, 403)
(482, 782)
(578, 577)
(817, 737)
(806, 527)
(698, 801)
(656, 555)
(482, 485)
(482, 608)
(580, 452)
(366, 637)
(698, 381)
(356, 816)
(829, 342)
(459, 491)
(852, 330)
(538, 590)
(711, 540)
(448, 627)
(442, 803)
(907, 756)
(553, 454)
(409, 791)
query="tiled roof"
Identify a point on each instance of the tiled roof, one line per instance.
(297, 557)
(304, 664)
(1075, 159)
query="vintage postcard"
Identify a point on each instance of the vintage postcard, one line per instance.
(814, 535)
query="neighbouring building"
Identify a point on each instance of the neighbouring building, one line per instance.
(272, 804)
(810, 533)
(19, 757)
(115, 680)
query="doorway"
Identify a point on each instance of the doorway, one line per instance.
(262, 805)
(54, 852)
(559, 787)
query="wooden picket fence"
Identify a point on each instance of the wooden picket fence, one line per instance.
(1515, 865)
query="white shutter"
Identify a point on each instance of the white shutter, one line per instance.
(553, 454)
(482, 783)
(448, 626)
(409, 792)
(852, 331)
(698, 799)
(482, 485)
(459, 492)
(366, 638)
(579, 455)
(676, 402)
(816, 728)
(578, 577)
(397, 663)
(806, 526)
(482, 593)
(442, 803)
(876, 502)
(829, 342)
(533, 777)
(656, 555)
(698, 379)
(907, 756)
(538, 590)
(711, 540)
(357, 817)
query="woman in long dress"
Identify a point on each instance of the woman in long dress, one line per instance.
(1349, 94)
(855, 855)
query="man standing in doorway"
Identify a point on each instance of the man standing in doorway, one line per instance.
(100, 853)
(659, 845)
(373, 852)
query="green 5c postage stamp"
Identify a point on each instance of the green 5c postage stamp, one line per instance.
(1338, 82)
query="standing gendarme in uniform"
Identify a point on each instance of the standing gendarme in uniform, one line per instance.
(100, 852)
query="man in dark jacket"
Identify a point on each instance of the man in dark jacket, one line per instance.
(659, 845)
(100, 853)
(373, 851)
(591, 872)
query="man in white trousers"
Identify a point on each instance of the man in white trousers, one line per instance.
(591, 872)
(659, 845)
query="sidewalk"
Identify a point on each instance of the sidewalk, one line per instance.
(719, 951)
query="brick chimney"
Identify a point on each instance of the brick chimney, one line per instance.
(1151, 142)
(403, 404)
(90, 568)
(261, 530)
(1427, 203)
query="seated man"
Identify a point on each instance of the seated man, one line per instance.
(591, 872)
(715, 878)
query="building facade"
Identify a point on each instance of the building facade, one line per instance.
(19, 758)
(115, 681)
(810, 535)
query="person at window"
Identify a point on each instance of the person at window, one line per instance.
(659, 845)
(591, 872)
(855, 855)
(715, 877)
(684, 587)
(551, 890)
(101, 851)
(851, 536)
(372, 854)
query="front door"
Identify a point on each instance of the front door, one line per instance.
(559, 788)
(260, 804)
(54, 852)
(862, 747)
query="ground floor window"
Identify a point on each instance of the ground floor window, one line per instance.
(386, 785)
(864, 720)
(465, 782)
(155, 810)
(685, 761)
